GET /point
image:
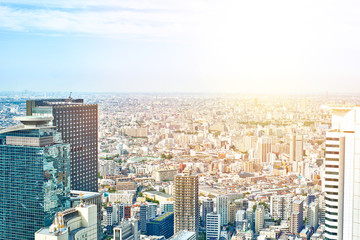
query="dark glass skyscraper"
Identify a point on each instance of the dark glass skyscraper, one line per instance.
(34, 177)
(78, 124)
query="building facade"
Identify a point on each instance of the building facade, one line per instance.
(207, 207)
(161, 226)
(187, 211)
(212, 226)
(78, 124)
(34, 177)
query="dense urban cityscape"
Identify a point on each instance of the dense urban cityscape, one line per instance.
(179, 166)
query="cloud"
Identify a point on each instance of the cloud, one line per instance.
(105, 18)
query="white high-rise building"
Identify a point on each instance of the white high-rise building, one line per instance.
(212, 226)
(259, 218)
(342, 175)
(313, 215)
(222, 204)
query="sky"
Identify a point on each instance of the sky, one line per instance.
(258, 46)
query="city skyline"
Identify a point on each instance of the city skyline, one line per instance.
(196, 46)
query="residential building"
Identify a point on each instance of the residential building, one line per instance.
(187, 211)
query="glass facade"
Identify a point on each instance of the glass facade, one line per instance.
(34, 180)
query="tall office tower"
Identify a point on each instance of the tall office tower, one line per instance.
(124, 212)
(222, 205)
(34, 177)
(264, 147)
(212, 226)
(296, 217)
(313, 215)
(207, 207)
(259, 218)
(78, 124)
(299, 152)
(73, 223)
(292, 147)
(342, 171)
(187, 211)
(127, 230)
(280, 206)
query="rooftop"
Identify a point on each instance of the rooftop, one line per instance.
(165, 215)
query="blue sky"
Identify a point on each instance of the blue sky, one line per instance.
(180, 46)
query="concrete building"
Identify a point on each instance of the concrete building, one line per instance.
(127, 230)
(222, 205)
(212, 226)
(187, 210)
(75, 223)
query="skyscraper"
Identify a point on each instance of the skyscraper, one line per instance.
(222, 205)
(207, 207)
(187, 211)
(342, 171)
(34, 177)
(78, 124)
